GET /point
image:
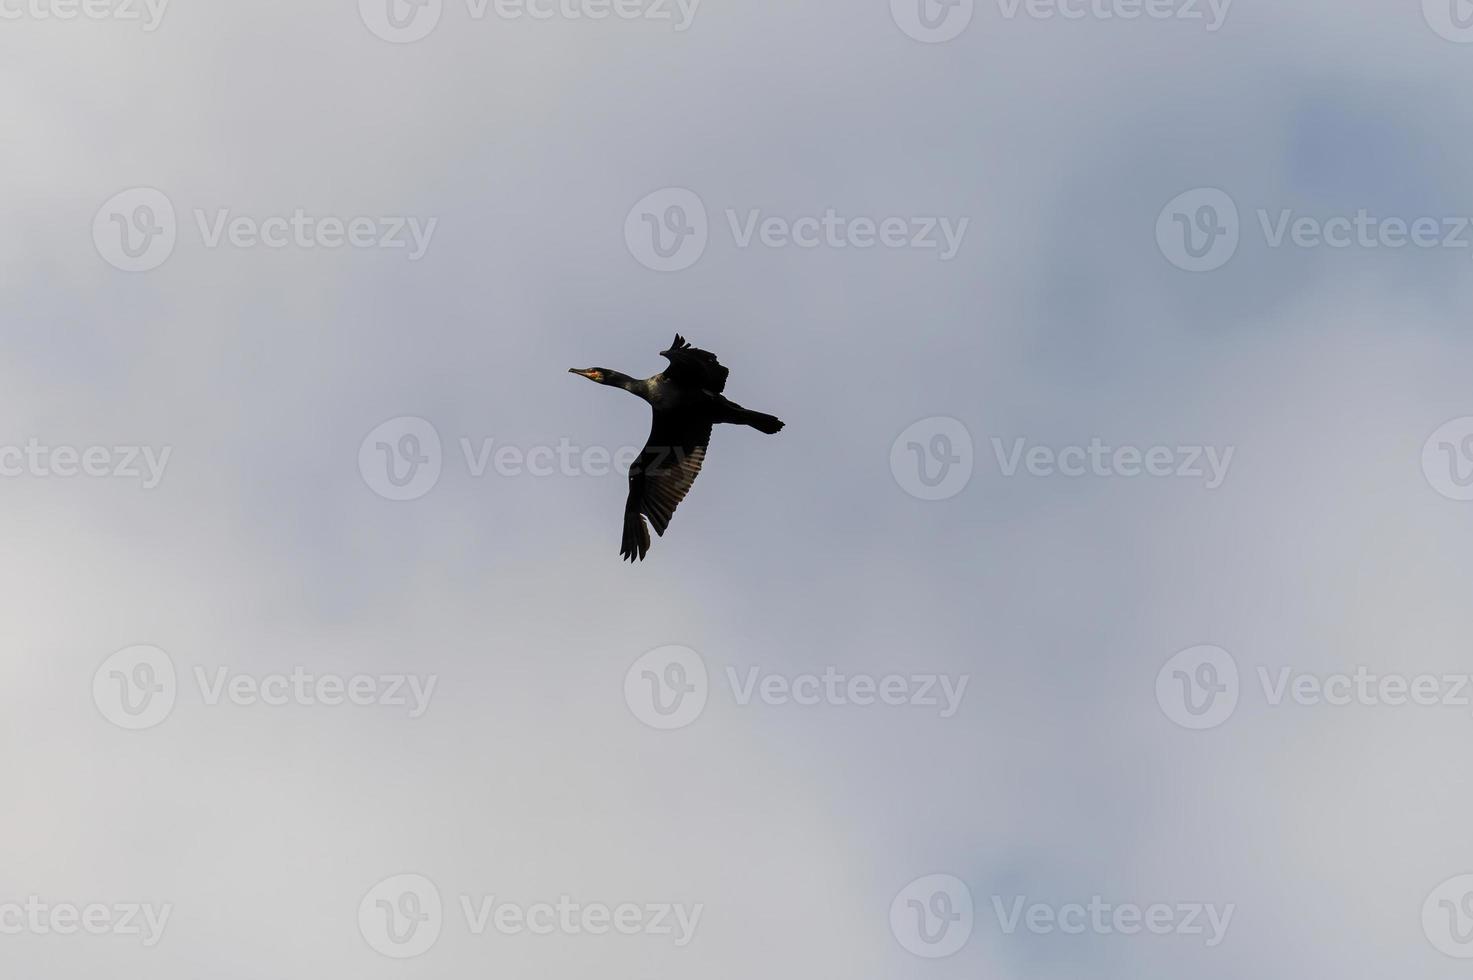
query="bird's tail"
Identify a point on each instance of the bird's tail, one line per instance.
(760, 421)
(636, 535)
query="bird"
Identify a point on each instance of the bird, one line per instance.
(686, 401)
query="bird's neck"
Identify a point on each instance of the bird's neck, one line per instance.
(638, 386)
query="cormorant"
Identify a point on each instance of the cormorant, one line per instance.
(686, 400)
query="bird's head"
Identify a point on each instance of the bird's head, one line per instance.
(601, 375)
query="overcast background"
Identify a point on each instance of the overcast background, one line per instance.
(1062, 318)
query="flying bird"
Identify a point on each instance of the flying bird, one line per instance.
(686, 400)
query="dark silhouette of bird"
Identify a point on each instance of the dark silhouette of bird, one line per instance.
(686, 400)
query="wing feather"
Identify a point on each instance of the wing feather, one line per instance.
(662, 475)
(693, 367)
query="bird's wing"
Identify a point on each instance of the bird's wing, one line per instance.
(661, 476)
(692, 367)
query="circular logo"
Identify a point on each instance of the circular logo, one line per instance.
(1198, 688)
(667, 231)
(932, 21)
(932, 916)
(1447, 917)
(136, 687)
(667, 687)
(401, 21)
(1451, 19)
(401, 459)
(1447, 459)
(401, 916)
(135, 230)
(932, 459)
(1199, 230)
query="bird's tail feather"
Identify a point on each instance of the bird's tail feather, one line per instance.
(636, 542)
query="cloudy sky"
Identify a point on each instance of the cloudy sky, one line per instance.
(1101, 611)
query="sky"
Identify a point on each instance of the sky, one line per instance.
(1100, 612)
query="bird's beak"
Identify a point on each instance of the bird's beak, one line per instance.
(582, 371)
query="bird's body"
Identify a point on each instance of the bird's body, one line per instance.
(686, 401)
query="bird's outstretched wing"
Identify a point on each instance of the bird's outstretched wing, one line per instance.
(695, 368)
(660, 478)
